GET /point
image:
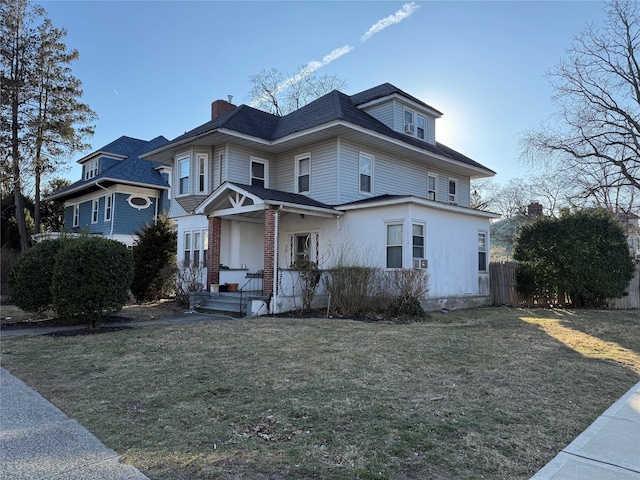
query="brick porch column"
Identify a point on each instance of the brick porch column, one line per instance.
(270, 220)
(213, 258)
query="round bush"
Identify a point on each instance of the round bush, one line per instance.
(30, 278)
(91, 278)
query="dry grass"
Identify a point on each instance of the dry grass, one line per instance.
(489, 393)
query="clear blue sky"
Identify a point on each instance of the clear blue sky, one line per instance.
(153, 68)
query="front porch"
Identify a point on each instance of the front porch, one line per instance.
(246, 246)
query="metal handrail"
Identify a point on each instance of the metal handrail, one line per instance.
(253, 280)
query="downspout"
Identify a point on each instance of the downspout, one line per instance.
(113, 207)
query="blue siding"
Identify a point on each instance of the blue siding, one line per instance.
(127, 219)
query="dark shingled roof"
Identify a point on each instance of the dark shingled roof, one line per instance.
(330, 107)
(279, 196)
(132, 169)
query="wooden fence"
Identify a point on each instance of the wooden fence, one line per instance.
(503, 288)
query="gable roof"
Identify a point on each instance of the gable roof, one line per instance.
(261, 198)
(131, 170)
(330, 108)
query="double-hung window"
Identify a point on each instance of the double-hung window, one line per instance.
(76, 215)
(108, 207)
(219, 170)
(259, 173)
(202, 161)
(91, 169)
(453, 187)
(187, 249)
(421, 125)
(394, 245)
(418, 240)
(432, 181)
(195, 248)
(95, 208)
(366, 173)
(409, 127)
(184, 167)
(482, 251)
(303, 168)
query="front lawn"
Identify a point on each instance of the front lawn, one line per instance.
(490, 393)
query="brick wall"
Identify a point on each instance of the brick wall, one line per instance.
(213, 259)
(269, 242)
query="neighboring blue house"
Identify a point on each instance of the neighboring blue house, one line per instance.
(119, 192)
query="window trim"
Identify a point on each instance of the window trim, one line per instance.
(264, 162)
(435, 186)
(360, 173)
(413, 237)
(314, 245)
(485, 251)
(298, 160)
(202, 160)
(452, 198)
(218, 178)
(189, 245)
(91, 169)
(76, 214)
(184, 158)
(409, 127)
(108, 207)
(424, 126)
(95, 210)
(400, 245)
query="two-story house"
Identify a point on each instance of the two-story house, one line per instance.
(359, 179)
(119, 192)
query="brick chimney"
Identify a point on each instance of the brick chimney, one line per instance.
(220, 107)
(534, 210)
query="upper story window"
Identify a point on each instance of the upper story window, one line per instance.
(218, 170)
(95, 208)
(91, 169)
(366, 173)
(432, 182)
(259, 173)
(453, 191)
(202, 162)
(482, 251)
(409, 126)
(394, 245)
(421, 126)
(184, 168)
(108, 207)
(303, 173)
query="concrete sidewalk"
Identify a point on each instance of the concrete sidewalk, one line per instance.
(608, 450)
(39, 442)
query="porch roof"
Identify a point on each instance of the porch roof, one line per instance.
(231, 199)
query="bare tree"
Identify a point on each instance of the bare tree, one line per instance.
(597, 90)
(280, 94)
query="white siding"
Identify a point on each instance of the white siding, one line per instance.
(451, 244)
(323, 171)
(392, 175)
(238, 165)
(383, 112)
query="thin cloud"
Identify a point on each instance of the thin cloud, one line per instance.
(405, 12)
